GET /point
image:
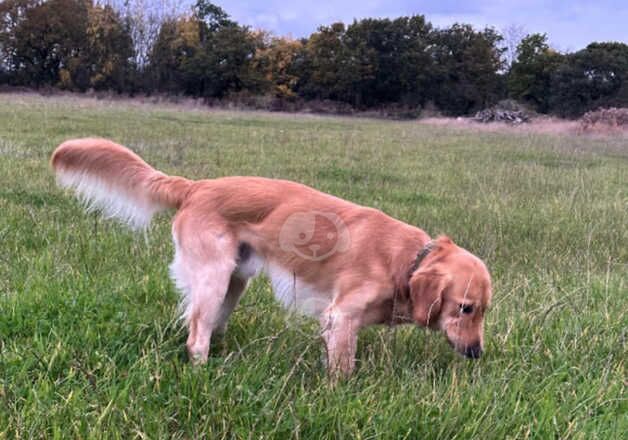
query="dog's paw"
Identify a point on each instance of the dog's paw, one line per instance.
(198, 356)
(198, 359)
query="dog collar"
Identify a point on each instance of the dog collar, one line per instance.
(424, 252)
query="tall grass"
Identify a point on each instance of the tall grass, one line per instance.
(90, 345)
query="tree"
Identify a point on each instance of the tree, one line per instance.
(108, 51)
(111, 44)
(512, 36)
(371, 62)
(41, 39)
(222, 65)
(212, 16)
(387, 60)
(529, 79)
(177, 41)
(596, 76)
(204, 54)
(321, 69)
(71, 44)
(466, 69)
(144, 18)
(274, 60)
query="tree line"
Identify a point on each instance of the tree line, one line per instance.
(80, 45)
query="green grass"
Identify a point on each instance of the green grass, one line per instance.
(89, 341)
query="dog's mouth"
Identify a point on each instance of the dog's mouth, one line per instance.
(470, 351)
(473, 351)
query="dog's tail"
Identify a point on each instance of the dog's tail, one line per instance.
(110, 178)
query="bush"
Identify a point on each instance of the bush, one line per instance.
(605, 117)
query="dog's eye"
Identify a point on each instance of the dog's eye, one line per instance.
(466, 308)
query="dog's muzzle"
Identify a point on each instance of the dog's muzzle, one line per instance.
(473, 351)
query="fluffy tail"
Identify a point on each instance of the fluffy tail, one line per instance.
(110, 178)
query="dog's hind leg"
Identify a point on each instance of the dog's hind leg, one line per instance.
(205, 259)
(237, 286)
(208, 293)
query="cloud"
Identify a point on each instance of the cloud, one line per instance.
(570, 25)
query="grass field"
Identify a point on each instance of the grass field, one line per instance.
(89, 341)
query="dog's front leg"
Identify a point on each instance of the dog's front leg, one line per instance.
(340, 334)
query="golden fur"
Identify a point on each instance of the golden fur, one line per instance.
(348, 265)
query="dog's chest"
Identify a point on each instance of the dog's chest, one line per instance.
(293, 293)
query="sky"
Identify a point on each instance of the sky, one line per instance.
(570, 25)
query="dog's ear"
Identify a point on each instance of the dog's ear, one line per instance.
(426, 293)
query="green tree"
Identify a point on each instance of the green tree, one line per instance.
(223, 63)
(177, 41)
(212, 16)
(387, 60)
(466, 70)
(530, 77)
(596, 76)
(371, 62)
(205, 54)
(40, 39)
(321, 69)
(66, 43)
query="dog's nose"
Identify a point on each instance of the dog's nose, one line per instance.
(473, 351)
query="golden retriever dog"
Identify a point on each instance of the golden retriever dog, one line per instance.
(347, 265)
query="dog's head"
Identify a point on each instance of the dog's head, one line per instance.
(450, 291)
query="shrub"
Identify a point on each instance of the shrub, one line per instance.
(605, 117)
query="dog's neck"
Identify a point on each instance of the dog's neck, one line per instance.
(401, 312)
(424, 252)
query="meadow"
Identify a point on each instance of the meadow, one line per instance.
(90, 344)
